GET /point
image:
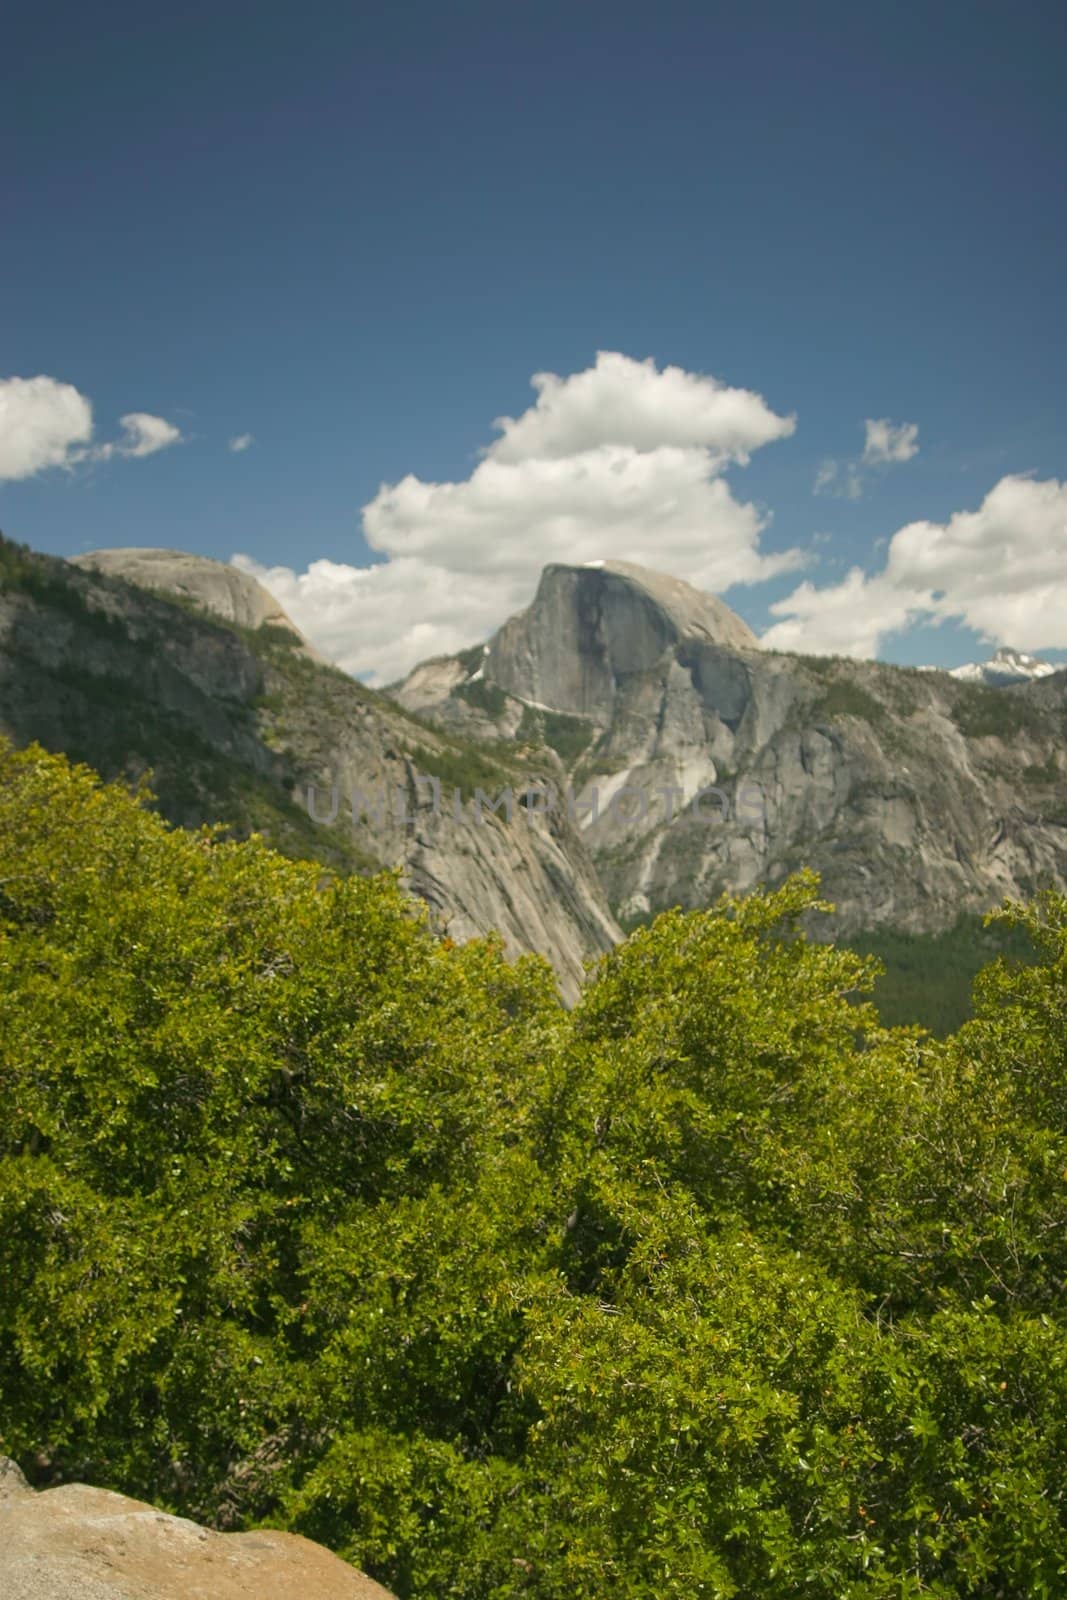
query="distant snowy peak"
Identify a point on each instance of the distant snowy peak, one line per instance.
(1007, 666)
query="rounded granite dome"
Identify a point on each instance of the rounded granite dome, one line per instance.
(233, 595)
(590, 627)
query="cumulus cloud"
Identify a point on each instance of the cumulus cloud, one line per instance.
(621, 461)
(619, 401)
(42, 422)
(380, 621)
(661, 505)
(890, 441)
(241, 441)
(45, 423)
(1001, 569)
(885, 444)
(850, 618)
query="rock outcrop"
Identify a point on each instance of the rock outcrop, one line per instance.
(79, 1543)
(593, 628)
(238, 724)
(225, 591)
(916, 796)
(707, 763)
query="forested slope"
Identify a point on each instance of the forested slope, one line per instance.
(710, 1287)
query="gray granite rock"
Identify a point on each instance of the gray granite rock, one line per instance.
(111, 671)
(915, 796)
(233, 595)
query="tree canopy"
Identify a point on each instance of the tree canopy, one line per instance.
(711, 1287)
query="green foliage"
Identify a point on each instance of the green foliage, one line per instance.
(711, 1288)
(982, 711)
(484, 696)
(23, 571)
(875, 693)
(109, 695)
(928, 977)
(845, 699)
(568, 736)
(463, 766)
(275, 635)
(471, 658)
(1041, 774)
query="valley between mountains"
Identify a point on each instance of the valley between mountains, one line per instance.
(918, 796)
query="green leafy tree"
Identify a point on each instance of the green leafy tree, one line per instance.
(713, 1287)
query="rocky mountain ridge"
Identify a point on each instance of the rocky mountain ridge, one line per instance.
(1004, 667)
(679, 758)
(212, 586)
(917, 796)
(236, 721)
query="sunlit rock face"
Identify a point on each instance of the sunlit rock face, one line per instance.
(75, 1542)
(213, 585)
(592, 629)
(916, 794)
(236, 726)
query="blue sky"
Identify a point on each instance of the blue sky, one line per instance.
(357, 233)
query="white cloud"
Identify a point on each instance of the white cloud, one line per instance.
(145, 434)
(619, 461)
(42, 422)
(659, 506)
(850, 618)
(45, 423)
(888, 442)
(620, 401)
(1001, 569)
(381, 620)
(142, 435)
(241, 441)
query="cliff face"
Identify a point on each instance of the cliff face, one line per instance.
(236, 721)
(915, 795)
(592, 628)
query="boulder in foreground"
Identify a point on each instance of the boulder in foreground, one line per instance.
(79, 1543)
